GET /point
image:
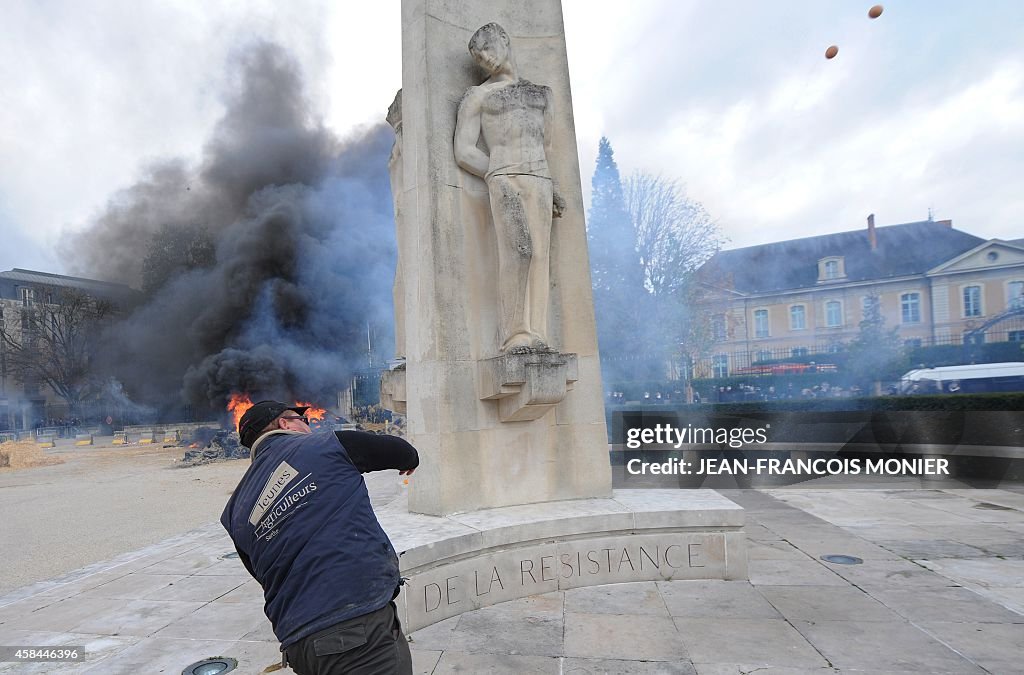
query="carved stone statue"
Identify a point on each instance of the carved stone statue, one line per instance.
(514, 117)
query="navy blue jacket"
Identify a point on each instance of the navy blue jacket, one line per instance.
(303, 526)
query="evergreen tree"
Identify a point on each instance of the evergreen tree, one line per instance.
(614, 262)
(615, 270)
(875, 353)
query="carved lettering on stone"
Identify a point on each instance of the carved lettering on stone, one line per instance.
(517, 574)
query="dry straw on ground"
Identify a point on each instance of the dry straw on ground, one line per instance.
(24, 455)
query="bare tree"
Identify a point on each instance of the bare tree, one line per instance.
(56, 343)
(674, 237)
(674, 234)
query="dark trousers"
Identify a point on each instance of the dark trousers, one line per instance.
(372, 644)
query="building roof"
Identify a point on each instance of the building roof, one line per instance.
(902, 250)
(21, 276)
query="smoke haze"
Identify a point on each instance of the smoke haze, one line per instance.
(303, 234)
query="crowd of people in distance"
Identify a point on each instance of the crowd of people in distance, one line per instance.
(747, 392)
(739, 394)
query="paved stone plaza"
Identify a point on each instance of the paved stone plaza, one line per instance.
(941, 590)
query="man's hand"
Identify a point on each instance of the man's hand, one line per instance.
(557, 205)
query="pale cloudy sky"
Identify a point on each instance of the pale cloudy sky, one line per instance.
(923, 107)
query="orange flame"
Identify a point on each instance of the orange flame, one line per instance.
(237, 405)
(314, 414)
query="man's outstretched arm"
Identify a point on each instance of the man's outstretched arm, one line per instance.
(378, 452)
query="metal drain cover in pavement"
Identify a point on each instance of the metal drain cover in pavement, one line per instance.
(842, 559)
(212, 666)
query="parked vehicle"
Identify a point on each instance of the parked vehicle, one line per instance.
(972, 379)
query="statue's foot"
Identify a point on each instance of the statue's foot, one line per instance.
(538, 345)
(535, 346)
(517, 344)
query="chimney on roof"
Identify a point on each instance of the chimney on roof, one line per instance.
(872, 237)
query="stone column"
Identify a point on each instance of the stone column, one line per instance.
(493, 428)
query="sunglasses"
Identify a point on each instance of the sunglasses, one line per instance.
(296, 417)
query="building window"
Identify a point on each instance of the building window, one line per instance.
(910, 307)
(760, 323)
(26, 297)
(1015, 336)
(797, 317)
(833, 314)
(972, 301)
(831, 269)
(720, 365)
(912, 343)
(1015, 295)
(764, 355)
(798, 351)
(834, 347)
(718, 327)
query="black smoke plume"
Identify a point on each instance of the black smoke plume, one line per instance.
(302, 261)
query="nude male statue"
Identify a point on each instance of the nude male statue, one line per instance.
(514, 116)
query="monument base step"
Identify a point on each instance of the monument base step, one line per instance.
(461, 562)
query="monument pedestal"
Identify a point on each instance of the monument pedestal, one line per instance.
(458, 563)
(526, 386)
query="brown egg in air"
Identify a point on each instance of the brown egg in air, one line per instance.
(831, 52)
(875, 12)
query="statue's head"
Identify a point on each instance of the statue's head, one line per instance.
(490, 47)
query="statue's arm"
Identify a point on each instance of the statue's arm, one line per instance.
(467, 132)
(558, 202)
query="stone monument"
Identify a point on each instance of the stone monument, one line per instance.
(500, 378)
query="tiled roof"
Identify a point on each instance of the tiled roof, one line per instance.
(907, 249)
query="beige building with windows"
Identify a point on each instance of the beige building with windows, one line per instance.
(807, 296)
(24, 405)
